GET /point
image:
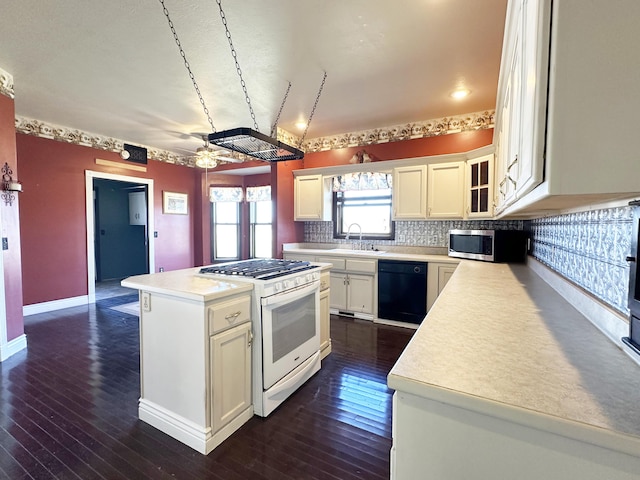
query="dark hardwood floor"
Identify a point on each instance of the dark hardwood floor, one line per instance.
(68, 409)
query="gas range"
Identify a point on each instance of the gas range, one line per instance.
(270, 276)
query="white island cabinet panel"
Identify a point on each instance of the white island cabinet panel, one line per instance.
(195, 356)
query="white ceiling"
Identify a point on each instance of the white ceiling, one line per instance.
(113, 68)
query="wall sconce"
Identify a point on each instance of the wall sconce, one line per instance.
(8, 185)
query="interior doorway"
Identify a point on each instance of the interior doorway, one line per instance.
(119, 225)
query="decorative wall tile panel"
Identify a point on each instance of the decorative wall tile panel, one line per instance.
(429, 233)
(589, 248)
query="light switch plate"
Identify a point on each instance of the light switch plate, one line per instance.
(146, 302)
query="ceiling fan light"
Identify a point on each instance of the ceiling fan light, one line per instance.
(206, 158)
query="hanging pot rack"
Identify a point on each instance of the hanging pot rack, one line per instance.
(243, 140)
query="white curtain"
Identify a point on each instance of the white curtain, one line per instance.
(225, 194)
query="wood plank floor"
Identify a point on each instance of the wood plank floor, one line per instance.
(68, 409)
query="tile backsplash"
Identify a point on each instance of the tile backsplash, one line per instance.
(429, 233)
(588, 248)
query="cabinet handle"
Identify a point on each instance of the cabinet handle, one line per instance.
(250, 342)
(512, 164)
(232, 316)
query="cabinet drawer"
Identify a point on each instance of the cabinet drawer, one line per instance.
(361, 265)
(337, 262)
(324, 280)
(227, 314)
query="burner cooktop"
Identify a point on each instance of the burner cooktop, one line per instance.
(259, 269)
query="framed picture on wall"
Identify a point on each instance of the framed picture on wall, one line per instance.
(175, 203)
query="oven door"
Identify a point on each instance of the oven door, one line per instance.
(290, 331)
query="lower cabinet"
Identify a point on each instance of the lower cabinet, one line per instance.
(352, 292)
(230, 374)
(438, 274)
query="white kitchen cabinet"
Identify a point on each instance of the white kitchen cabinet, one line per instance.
(230, 374)
(312, 198)
(445, 190)
(195, 367)
(325, 320)
(438, 274)
(572, 81)
(479, 187)
(508, 114)
(353, 293)
(353, 282)
(409, 193)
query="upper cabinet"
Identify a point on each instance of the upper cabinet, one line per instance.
(565, 119)
(445, 190)
(312, 198)
(479, 187)
(409, 193)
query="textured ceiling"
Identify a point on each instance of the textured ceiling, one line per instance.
(112, 67)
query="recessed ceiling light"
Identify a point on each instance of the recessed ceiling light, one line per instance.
(460, 93)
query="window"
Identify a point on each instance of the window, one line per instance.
(260, 223)
(225, 222)
(226, 230)
(369, 209)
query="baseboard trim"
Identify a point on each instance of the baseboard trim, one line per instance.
(53, 305)
(198, 437)
(12, 347)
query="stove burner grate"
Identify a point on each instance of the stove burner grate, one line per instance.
(264, 269)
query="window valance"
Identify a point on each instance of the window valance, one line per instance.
(225, 194)
(362, 181)
(259, 194)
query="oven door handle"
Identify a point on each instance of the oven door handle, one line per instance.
(291, 295)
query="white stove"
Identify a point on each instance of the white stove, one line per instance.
(286, 324)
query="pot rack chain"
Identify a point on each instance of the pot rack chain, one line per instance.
(313, 110)
(186, 64)
(275, 123)
(235, 59)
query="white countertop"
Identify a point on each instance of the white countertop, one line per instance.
(380, 255)
(186, 284)
(500, 340)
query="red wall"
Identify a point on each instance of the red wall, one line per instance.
(10, 224)
(419, 147)
(53, 218)
(286, 229)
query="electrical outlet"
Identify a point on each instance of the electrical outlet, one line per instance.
(155, 234)
(5, 243)
(146, 302)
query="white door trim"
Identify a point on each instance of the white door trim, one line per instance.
(91, 254)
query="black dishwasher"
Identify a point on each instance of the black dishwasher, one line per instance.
(402, 290)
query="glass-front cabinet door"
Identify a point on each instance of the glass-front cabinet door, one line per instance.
(479, 186)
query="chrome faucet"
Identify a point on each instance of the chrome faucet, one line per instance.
(349, 234)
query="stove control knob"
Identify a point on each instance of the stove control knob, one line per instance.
(309, 277)
(288, 284)
(298, 280)
(278, 286)
(316, 275)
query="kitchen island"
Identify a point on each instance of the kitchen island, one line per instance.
(195, 355)
(505, 379)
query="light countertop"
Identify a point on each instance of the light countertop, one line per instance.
(186, 284)
(382, 254)
(501, 341)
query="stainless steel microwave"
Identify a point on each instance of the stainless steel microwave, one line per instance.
(489, 245)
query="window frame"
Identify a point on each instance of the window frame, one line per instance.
(238, 224)
(337, 223)
(252, 225)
